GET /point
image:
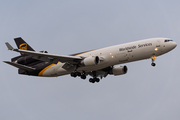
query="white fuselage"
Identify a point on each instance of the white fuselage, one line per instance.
(118, 54)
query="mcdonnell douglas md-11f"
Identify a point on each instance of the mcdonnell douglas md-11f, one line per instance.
(97, 63)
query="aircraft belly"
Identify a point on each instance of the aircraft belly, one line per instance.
(92, 68)
(52, 71)
(57, 70)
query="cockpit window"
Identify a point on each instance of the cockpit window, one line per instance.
(168, 40)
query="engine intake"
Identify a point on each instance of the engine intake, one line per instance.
(92, 60)
(119, 70)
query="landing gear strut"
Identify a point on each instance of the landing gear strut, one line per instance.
(153, 59)
(94, 79)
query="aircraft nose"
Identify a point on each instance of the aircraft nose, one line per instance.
(174, 44)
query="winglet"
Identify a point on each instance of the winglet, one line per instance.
(9, 46)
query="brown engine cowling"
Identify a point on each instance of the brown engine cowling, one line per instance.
(89, 61)
(118, 70)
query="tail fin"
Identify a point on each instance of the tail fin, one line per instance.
(21, 44)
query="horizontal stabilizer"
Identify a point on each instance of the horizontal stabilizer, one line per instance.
(9, 46)
(20, 66)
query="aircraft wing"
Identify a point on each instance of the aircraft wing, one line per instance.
(47, 57)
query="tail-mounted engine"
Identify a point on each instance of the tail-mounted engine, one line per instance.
(118, 70)
(92, 60)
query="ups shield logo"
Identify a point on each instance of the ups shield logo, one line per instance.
(23, 46)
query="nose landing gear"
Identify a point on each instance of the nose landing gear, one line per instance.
(153, 59)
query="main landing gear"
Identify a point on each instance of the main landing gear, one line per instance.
(153, 59)
(83, 76)
(75, 74)
(93, 80)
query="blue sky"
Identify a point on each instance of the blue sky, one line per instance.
(67, 27)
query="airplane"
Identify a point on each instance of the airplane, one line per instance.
(97, 63)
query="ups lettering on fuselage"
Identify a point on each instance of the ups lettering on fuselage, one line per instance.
(134, 47)
(127, 48)
(144, 45)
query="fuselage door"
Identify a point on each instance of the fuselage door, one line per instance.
(158, 44)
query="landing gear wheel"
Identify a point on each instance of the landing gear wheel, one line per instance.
(73, 74)
(78, 74)
(97, 79)
(91, 80)
(83, 77)
(153, 64)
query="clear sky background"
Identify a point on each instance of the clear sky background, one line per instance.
(71, 26)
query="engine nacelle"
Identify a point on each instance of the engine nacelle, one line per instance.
(24, 60)
(119, 70)
(92, 60)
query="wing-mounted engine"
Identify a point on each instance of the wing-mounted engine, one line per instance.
(91, 60)
(112, 70)
(118, 70)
